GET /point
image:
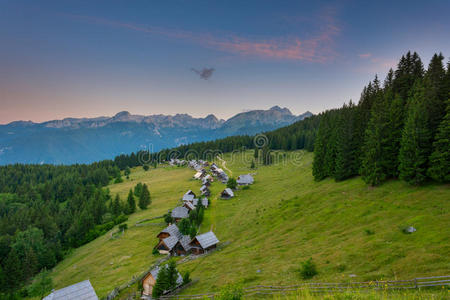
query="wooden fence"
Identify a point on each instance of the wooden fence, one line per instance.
(330, 287)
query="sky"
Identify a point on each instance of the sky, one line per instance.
(95, 58)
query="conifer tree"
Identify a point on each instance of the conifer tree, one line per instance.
(391, 147)
(372, 165)
(346, 149)
(144, 198)
(440, 158)
(162, 282)
(435, 91)
(416, 139)
(131, 203)
(320, 147)
(116, 207)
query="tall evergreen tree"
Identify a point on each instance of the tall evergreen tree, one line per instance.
(346, 148)
(435, 91)
(372, 165)
(416, 139)
(440, 158)
(144, 197)
(131, 203)
(116, 207)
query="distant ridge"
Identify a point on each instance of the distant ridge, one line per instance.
(84, 140)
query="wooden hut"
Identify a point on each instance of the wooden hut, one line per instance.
(227, 194)
(203, 243)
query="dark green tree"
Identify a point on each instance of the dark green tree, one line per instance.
(416, 139)
(232, 184)
(440, 158)
(144, 198)
(116, 206)
(131, 203)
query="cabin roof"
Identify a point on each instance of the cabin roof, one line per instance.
(205, 202)
(172, 230)
(190, 192)
(245, 179)
(207, 239)
(228, 192)
(184, 241)
(180, 212)
(79, 291)
(170, 241)
(204, 187)
(188, 197)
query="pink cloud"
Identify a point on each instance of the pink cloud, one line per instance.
(365, 55)
(318, 48)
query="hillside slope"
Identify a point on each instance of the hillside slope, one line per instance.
(286, 217)
(283, 219)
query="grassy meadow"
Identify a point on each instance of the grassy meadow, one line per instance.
(351, 231)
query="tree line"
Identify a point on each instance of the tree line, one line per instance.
(399, 128)
(47, 210)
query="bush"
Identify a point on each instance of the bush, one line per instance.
(145, 167)
(155, 251)
(123, 227)
(232, 184)
(308, 269)
(168, 218)
(120, 219)
(369, 232)
(42, 285)
(230, 292)
(186, 277)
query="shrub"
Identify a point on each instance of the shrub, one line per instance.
(120, 219)
(155, 251)
(123, 227)
(186, 277)
(369, 232)
(42, 284)
(230, 292)
(145, 167)
(308, 269)
(168, 218)
(232, 184)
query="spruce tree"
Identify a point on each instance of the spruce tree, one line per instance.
(320, 150)
(435, 92)
(162, 282)
(346, 149)
(372, 165)
(131, 203)
(440, 158)
(144, 198)
(391, 147)
(116, 207)
(416, 139)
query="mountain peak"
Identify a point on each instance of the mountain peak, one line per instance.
(284, 110)
(122, 114)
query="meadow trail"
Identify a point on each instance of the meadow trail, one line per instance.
(224, 165)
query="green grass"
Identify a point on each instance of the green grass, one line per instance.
(111, 262)
(280, 221)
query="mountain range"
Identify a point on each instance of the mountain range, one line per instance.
(84, 140)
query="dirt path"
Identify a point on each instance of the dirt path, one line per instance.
(224, 165)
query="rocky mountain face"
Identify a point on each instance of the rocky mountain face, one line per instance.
(84, 140)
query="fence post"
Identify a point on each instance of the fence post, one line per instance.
(415, 283)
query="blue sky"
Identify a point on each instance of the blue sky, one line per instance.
(90, 58)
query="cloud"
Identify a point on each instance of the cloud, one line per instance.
(204, 73)
(317, 48)
(365, 55)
